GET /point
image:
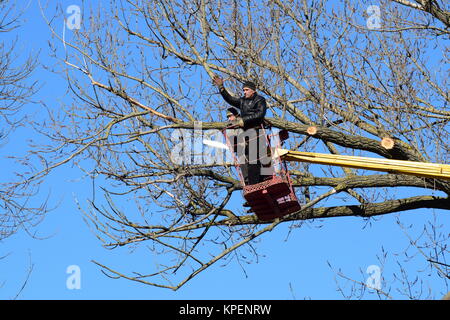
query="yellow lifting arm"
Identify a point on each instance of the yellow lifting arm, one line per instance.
(422, 169)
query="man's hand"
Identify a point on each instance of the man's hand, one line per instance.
(218, 81)
(236, 123)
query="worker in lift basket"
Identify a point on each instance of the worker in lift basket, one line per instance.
(251, 142)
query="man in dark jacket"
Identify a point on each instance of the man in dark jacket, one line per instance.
(252, 108)
(233, 134)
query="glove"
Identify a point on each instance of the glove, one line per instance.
(236, 124)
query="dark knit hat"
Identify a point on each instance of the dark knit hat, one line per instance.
(249, 84)
(232, 112)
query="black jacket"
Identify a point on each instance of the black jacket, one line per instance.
(253, 109)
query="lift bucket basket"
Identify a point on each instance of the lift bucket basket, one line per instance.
(274, 197)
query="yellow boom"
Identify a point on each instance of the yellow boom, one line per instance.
(422, 169)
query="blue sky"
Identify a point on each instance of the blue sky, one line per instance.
(292, 264)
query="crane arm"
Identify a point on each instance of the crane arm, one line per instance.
(422, 169)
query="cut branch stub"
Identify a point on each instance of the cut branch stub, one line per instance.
(387, 143)
(311, 130)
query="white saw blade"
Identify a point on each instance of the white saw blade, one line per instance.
(215, 144)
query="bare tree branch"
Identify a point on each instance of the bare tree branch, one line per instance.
(140, 75)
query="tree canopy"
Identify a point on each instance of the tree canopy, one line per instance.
(140, 76)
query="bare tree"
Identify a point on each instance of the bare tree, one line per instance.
(140, 75)
(426, 248)
(436, 8)
(16, 89)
